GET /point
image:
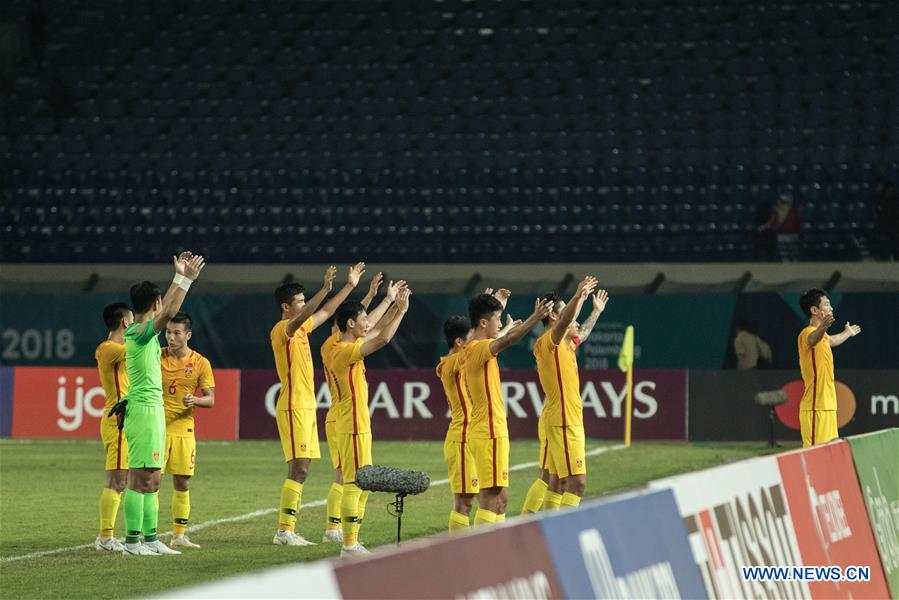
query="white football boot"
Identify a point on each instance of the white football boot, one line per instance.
(160, 548)
(289, 538)
(104, 544)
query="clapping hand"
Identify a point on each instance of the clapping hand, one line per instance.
(600, 298)
(330, 275)
(355, 274)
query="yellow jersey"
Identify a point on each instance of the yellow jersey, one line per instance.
(449, 371)
(480, 372)
(180, 377)
(349, 377)
(327, 349)
(816, 364)
(558, 373)
(293, 361)
(110, 357)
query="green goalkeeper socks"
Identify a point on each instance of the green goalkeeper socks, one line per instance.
(151, 516)
(133, 507)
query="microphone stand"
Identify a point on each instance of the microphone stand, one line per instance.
(398, 513)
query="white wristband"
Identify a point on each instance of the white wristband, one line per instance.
(182, 282)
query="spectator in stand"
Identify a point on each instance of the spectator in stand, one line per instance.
(786, 224)
(749, 347)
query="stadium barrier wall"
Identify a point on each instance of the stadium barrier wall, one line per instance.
(876, 457)
(68, 402)
(722, 408)
(304, 581)
(507, 562)
(685, 536)
(686, 331)
(6, 393)
(407, 404)
(632, 547)
(798, 508)
(830, 519)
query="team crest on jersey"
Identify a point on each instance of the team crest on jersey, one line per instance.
(188, 368)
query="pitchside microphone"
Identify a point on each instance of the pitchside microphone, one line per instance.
(376, 478)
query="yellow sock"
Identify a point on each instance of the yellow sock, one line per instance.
(484, 516)
(533, 502)
(291, 493)
(552, 500)
(349, 513)
(180, 511)
(501, 517)
(332, 517)
(363, 500)
(457, 521)
(109, 507)
(569, 499)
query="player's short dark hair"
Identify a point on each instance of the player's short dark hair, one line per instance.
(351, 309)
(286, 292)
(114, 313)
(551, 297)
(144, 295)
(481, 307)
(811, 298)
(183, 318)
(455, 327)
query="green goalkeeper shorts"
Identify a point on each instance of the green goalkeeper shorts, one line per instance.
(145, 432)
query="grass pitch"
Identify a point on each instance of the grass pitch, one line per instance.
(49, 492)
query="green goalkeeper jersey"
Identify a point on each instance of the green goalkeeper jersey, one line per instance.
(142, 361)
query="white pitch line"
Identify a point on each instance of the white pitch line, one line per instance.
(268, 511)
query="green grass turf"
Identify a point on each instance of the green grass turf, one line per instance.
(50, 491)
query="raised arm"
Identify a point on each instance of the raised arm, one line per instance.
(517, 333)
(372, 289)
(327, 311)
(600, 298)
(818, 334)
(502, 294)
(848, 332)
(382, 315)
(510, 323)
(313, 303)
(187, 269)
(572, 309)
(383, 338)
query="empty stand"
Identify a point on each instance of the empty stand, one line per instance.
(448, 130)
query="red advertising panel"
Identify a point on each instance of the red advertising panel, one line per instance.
(408, 404)
(67, 402)
(507, 562)
(830, 518)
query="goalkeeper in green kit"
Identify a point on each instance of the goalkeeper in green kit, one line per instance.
(141, 410)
